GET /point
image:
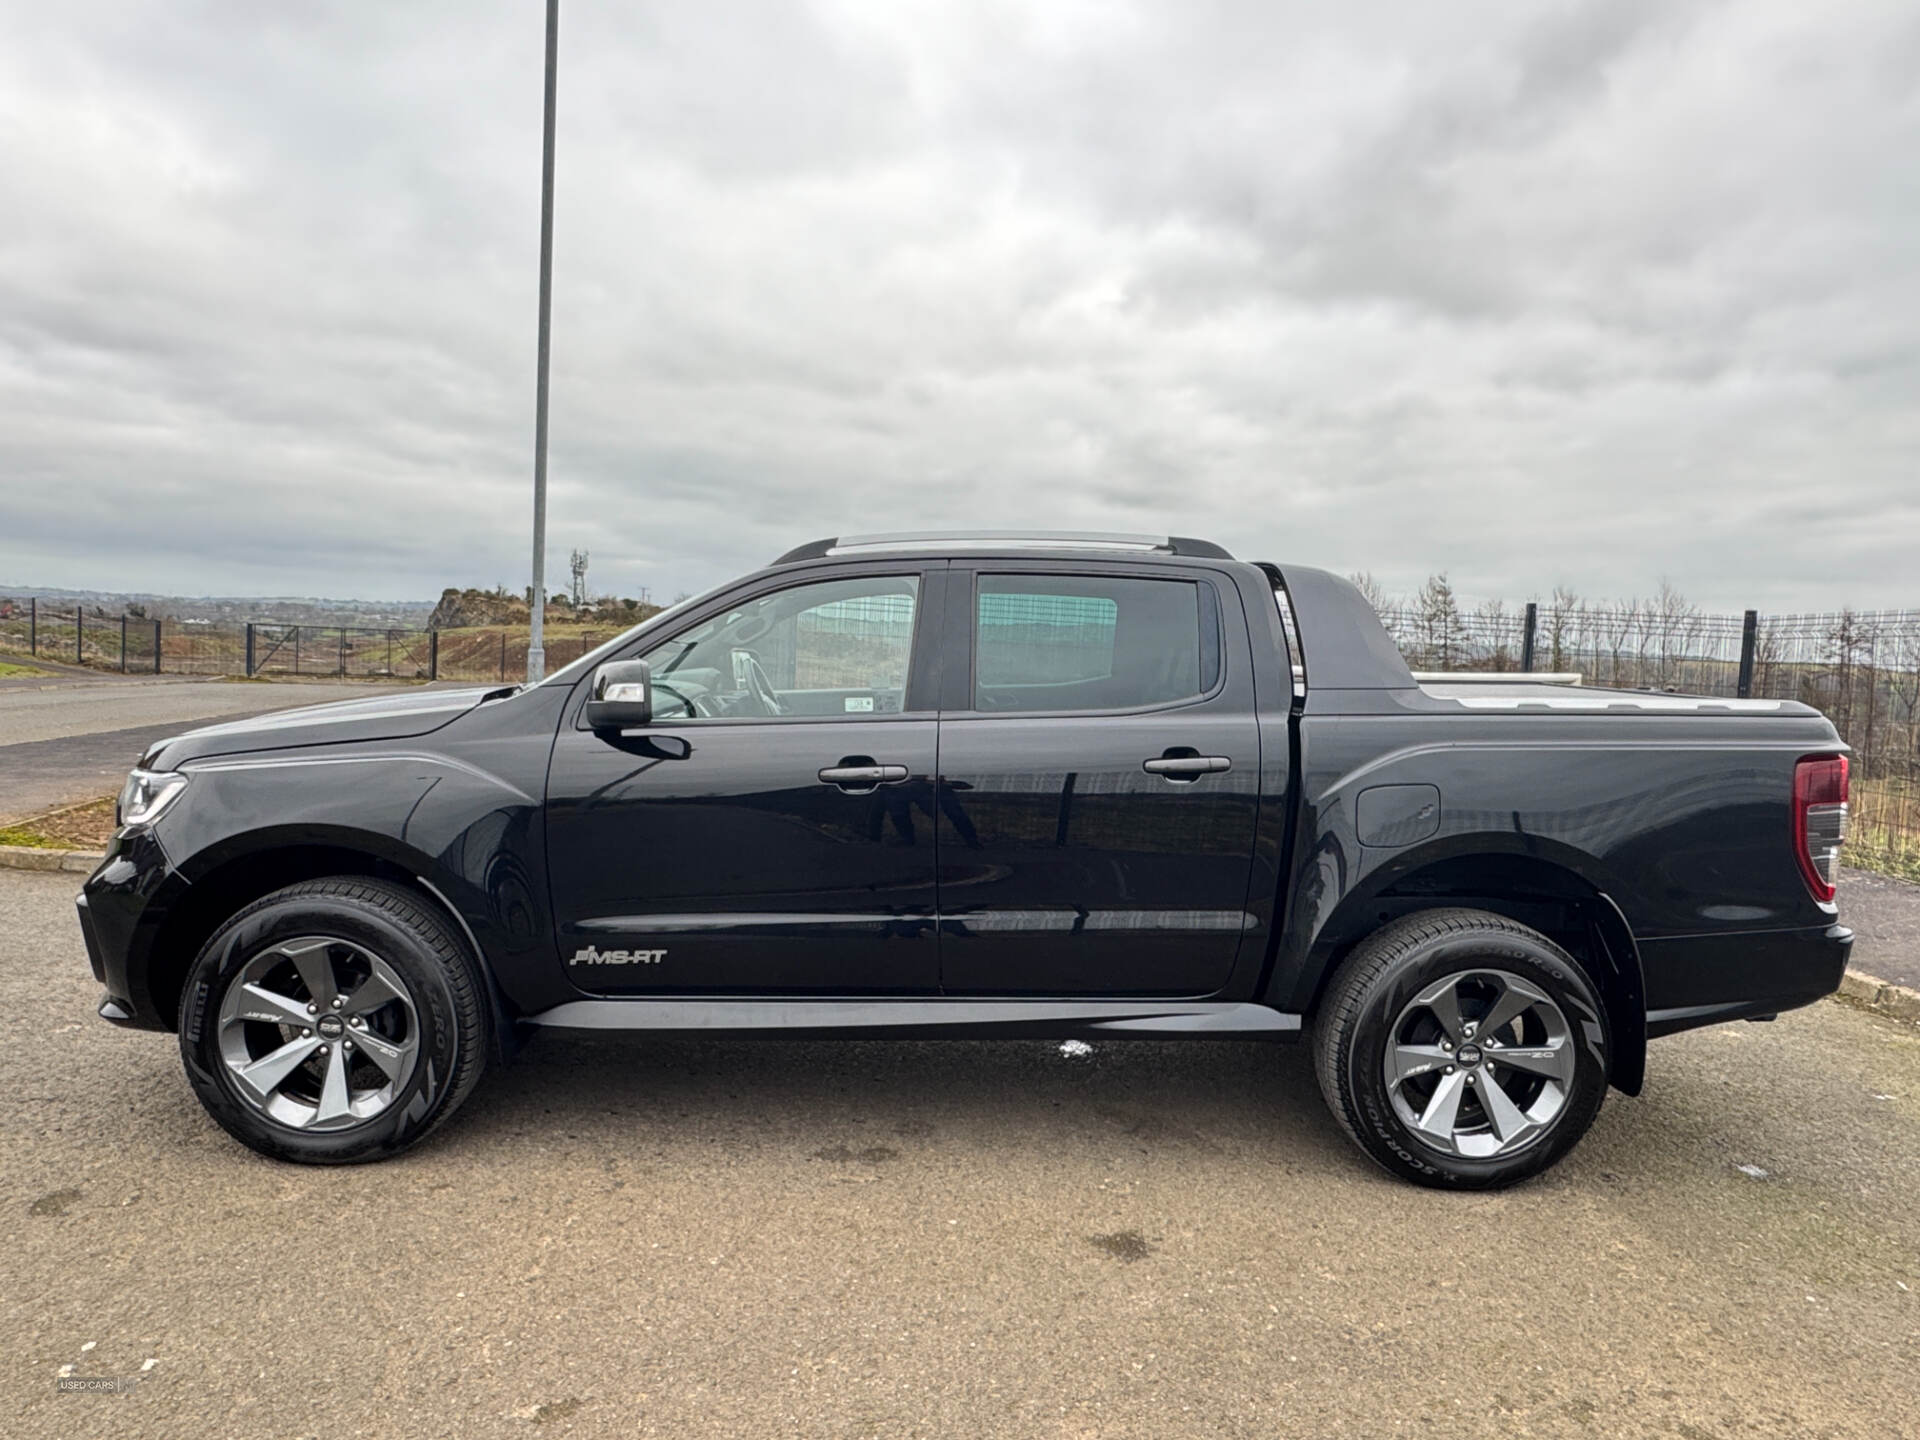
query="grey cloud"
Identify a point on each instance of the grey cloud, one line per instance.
(1584, 292)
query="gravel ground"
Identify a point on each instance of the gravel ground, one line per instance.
(889, 1239)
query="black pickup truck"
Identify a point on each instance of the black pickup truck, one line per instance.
(1014, 785)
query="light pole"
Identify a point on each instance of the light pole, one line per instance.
(536, 638)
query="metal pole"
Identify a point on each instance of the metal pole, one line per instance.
(156, 647)
(433, 654)
(1749, 634)
(1526, 638)
(33, 624)
(123, 644)
(536, 639)
(79, 634)
(249, 649)
(503, 657)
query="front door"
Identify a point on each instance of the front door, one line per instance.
(768, 832)
(1099, 789)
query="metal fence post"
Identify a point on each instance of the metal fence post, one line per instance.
(33, 624)
(123, 644)
(503, 657)
(249, 649)
(1526, 636)
(1749, 633)
(156, 647)
(343, 650)
(296, 649)
(433, 655)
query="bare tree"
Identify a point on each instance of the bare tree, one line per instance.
(1670, 622)
(1617, 623)
(1436, 618)
(1562, 613)
(1364, 582)
(1493, 627)
(1376, 596)
(1851, 642)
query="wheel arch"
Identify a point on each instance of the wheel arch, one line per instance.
(221, 883)
(1543, 893)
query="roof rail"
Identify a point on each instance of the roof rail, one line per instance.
(1021, 539)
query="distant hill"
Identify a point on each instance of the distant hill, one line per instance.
(289, 609)
(465, 609)
(455, 609)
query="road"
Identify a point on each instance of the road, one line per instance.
(893, 1239)
(1885, 916)
(74, 739)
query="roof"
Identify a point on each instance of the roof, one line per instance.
(939, 540)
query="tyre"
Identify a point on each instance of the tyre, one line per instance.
(1461, 1049)
(333, 1022)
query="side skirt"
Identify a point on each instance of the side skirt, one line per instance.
(926, 1019)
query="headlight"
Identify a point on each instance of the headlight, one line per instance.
(145, 795)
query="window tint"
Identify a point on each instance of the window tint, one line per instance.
(1069, 642)
(839, 647)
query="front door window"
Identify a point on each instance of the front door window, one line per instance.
(836, 647)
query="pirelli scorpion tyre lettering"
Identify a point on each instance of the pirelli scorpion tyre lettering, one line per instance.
(1461, 1049)
(334, 1021)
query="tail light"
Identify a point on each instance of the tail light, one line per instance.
(1820, 820)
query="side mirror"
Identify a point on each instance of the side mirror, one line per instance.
(621, 697)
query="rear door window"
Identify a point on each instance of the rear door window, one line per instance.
(1092, 642)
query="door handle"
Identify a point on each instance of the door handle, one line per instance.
(1186, 767)
(858, 773)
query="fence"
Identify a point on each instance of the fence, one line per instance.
(1859, 667)
(135, 644)
(127, 643)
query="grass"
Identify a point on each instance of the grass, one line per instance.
(87, 826)
(9, 670)
(1884, 828)
(29, 837)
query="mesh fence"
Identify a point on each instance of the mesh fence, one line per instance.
(73, 637)
(1861, 668)
(70, 636)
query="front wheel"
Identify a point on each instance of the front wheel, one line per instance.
(1461, 1049)
(333, 1021)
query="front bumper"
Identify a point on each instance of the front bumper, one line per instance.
(122, 907)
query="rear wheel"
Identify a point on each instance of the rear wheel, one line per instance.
(1462, 1049)
(333, 1021)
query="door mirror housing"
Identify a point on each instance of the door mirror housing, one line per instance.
(621, 695)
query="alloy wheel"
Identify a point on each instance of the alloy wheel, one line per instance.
(1480, 1064)
(318, 1033)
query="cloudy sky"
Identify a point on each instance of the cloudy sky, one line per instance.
(1588, 293)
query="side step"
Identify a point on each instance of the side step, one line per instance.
(926, 1019)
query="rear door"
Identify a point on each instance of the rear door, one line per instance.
(769, 832)
(1099, 780)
